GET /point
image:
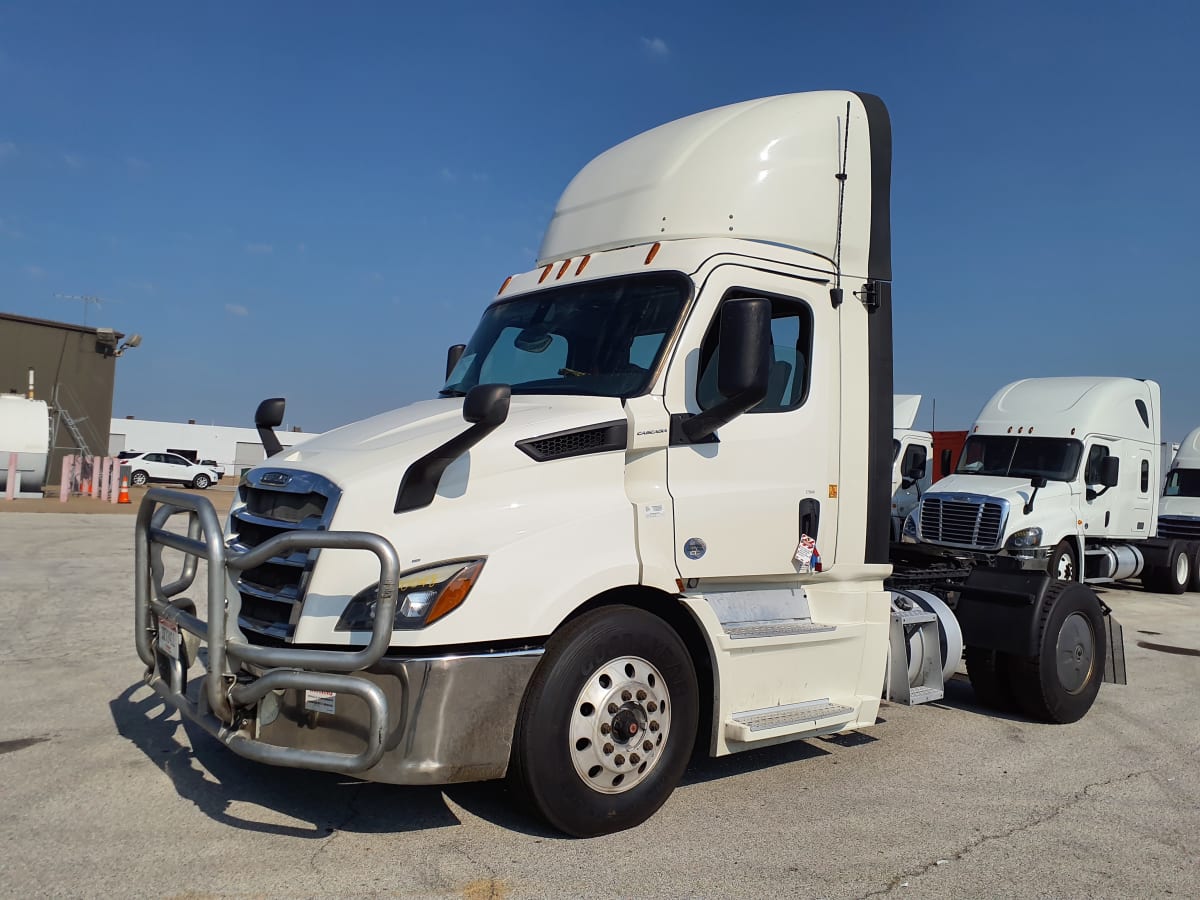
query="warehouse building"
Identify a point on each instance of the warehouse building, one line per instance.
(234, 448)
(70, 367)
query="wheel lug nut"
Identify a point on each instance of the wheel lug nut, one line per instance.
(652, 706)
(608, 748)
(654, 726)
(605, 728)
(634, 758)
(641, 695)
(647, 746)
(619, 759)
(626, 696)
(612, 709)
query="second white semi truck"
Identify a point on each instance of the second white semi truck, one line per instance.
(1062, 475)
(911, 465)
(1179, 508)
(647, 511)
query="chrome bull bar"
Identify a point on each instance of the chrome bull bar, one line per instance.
(229, 689)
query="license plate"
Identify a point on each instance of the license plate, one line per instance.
(168, 638)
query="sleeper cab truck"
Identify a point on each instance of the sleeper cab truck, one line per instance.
(1179, 508)
(1061, 475)
(911, 451)
(645, 514)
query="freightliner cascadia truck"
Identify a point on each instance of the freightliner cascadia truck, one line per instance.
(647, 512)
(1063, 474)
(1179, 508)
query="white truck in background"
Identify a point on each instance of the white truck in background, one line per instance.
(647, 512)
(912, 472)
(1179, 508)
(1062, 475)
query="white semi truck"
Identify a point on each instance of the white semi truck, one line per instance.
(662, 525)
(1063, 475)
(911, 470)
(1179, 508)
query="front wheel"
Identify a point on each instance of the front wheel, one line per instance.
(201, 482)
(1063, 565)
(1060, 681)
(138, 478)
(608, 722)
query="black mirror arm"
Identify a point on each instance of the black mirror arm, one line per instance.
(269, 441)
(703, 424)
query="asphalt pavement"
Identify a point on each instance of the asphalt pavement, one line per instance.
(105, 793)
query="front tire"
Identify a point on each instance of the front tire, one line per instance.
(608, 723)
(1063, 565)
(1060, 682)
(139, 479)
(201, 482)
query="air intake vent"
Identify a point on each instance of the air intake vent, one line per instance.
(577, 441)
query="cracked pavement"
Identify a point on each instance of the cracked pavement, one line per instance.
(105, 793)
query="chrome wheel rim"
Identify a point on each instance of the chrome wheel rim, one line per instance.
(620, 725)
(1181, 569)
(1076, 652)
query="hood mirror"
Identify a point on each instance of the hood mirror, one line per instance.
(267, 417)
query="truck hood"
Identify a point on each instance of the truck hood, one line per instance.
(392, 440)
(1015, 490)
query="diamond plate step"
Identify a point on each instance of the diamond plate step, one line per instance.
(924, 695)
(738, 631)
(744, 726)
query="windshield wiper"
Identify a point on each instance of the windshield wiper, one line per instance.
(451, 392)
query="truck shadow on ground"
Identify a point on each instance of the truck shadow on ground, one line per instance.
(306, 804)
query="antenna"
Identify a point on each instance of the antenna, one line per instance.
(86, 300)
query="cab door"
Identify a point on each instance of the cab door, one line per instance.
(743, 500)
(1099, 506)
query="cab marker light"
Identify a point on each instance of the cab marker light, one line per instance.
(507, 282)
(545, 272)
(653, 253)
(583, 264)
(562, 269)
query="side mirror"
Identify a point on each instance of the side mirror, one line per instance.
(268, 416)
(947, 456)
(745, 340)
(487, 404)
(914, 467)
(1109, 471)
(453, 355)
(1038, 481)
(743, 367)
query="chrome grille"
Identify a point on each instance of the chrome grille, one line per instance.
(971, 522)
(1179, 527)
(274, 503)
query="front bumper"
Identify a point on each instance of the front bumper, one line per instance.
(421, 720)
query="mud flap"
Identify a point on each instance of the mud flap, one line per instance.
(1114, 663)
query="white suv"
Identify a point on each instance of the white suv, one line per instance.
(144, 467)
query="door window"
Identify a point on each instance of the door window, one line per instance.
(791, 355)
(1096, 456)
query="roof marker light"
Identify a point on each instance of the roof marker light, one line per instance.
(583, 264)
(507, 281)
(562, 269)
(653, 253)
(545, 272)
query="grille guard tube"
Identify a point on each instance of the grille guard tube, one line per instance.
(287, 667)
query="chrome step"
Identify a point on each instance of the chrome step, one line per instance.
(746, 726)
(738, 631)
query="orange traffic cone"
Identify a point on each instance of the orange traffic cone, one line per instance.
(123, 497)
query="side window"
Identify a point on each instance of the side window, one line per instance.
(1096, 456)
(914, 459)
(1145, 476)
(177, 460)
(791, 355)
(154, 457)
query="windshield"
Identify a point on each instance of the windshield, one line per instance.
(601, 338)
(1057, 459)
(1183, 483)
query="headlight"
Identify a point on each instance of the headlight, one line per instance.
(1026, 537)
(422, 596)
(908, 534)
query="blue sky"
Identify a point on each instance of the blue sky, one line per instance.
(285, 199)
